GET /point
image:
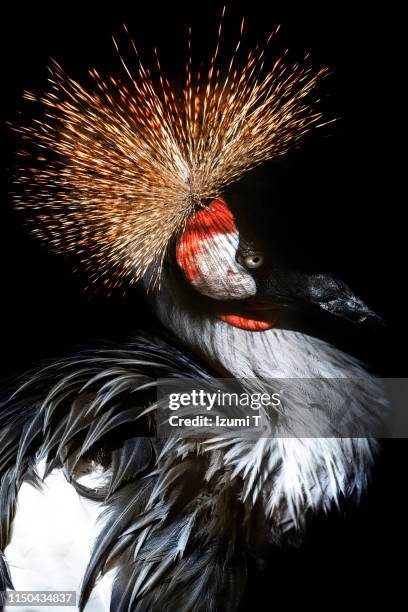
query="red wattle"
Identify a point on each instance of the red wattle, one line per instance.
(248, 324)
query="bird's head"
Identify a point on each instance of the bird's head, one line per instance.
(238, 275)
(119, 182)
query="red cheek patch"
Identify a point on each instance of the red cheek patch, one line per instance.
(214, 220)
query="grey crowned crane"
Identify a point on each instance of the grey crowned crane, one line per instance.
(172, 194)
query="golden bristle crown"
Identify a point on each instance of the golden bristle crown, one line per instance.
(121, 166)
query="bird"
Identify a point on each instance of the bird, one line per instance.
(173, 522)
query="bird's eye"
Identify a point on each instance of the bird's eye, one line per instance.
(252, 262)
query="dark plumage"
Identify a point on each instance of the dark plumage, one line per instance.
(90, 409)
(177, 522)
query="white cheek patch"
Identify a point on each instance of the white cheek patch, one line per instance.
(206, 253)
(217, 274)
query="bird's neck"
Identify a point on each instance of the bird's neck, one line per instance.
(275, 353)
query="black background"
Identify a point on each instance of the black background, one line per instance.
(346, 198)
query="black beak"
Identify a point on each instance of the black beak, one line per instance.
(304, 291)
